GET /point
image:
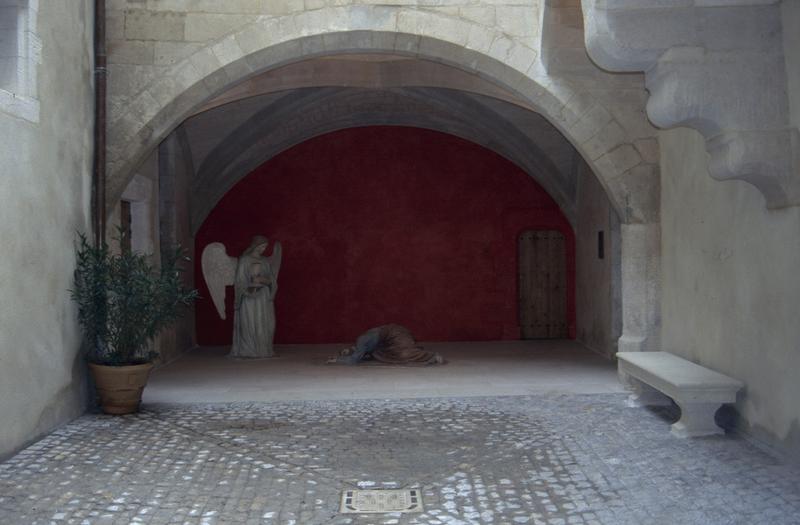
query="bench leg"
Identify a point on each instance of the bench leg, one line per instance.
(697, 419)
(642, 394)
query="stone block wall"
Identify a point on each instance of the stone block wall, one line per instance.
(598, 272)
(168, 57)
(146, 38)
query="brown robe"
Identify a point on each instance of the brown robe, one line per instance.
(397, 346)
(391, 344)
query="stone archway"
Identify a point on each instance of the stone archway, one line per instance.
(630, 181)
(167, 99)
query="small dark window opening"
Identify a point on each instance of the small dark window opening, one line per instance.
(125, 225)
(14, 39)
(9, 45)
(601, 245)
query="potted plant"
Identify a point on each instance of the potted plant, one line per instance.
(124, 301)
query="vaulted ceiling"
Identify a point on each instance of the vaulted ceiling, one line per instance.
(256, 120)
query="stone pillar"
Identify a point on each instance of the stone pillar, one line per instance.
(641, 288)
(175, 169)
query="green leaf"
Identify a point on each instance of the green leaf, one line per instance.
(124, 300)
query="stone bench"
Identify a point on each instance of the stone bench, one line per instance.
(698, 391)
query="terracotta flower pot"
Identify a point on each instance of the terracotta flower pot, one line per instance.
(120, 387)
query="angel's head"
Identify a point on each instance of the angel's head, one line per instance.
(257, 245)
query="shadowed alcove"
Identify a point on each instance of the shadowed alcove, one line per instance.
(403, 191)
(388, 224)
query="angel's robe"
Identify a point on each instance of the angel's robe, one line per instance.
(254, 316)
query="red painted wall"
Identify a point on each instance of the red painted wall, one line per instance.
(386, 224)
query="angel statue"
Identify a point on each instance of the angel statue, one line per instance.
(255, 281)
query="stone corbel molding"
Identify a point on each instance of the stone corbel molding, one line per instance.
(713, 65)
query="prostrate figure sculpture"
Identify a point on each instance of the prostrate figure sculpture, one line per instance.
(389, 343)
(255, 281)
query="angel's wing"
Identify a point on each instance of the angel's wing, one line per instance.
(219, 271)
(275, 259)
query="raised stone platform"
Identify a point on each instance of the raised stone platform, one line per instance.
(697, 390)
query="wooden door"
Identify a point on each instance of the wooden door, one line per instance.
(542, 285)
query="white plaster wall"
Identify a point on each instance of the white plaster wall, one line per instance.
(731, 286)
(45, 171)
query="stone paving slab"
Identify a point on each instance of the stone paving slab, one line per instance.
(539, 459)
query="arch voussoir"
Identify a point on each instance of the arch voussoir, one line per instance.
(269, 42)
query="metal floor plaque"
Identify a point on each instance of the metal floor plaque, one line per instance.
(381, 500)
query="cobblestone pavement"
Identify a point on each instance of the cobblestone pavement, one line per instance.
(555, 459)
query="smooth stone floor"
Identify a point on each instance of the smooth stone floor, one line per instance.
(300, 373)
